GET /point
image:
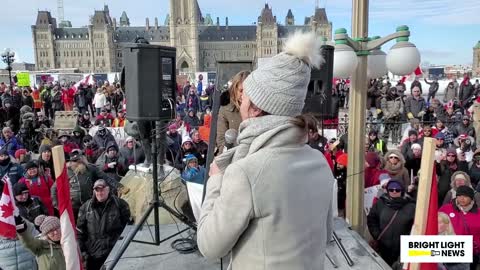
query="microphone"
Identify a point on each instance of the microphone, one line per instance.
(231, 138)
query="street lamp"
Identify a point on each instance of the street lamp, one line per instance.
(361, 58)
(8, 57)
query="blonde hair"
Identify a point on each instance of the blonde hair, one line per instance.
(235, 91)
(442, 217)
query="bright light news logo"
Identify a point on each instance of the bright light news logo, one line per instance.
(436, 248)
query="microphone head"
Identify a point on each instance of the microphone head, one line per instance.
(231, 136)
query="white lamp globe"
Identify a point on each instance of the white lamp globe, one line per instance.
(377, 65)
(403, 58)
(344, 61)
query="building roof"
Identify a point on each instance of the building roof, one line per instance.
(71, 33)
(478, 45)
(266, 17)
(320, 16)
(230, 33)
(129, 34)
(45, 18)
(289, 14)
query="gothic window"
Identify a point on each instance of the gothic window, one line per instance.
(184, 65)
(41, 64)
(89, 63)
(103, 63)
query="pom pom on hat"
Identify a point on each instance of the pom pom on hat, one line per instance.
(20, 152)
(47, 224)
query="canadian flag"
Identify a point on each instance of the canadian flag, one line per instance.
(7, 211)
(87, 80)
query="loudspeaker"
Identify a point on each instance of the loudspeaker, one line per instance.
(150, 83)
(319, 100)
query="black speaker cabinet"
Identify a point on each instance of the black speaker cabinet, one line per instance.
(150, 82)
(319, 95)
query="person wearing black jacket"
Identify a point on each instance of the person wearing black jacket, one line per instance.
(445, 170)
(100, 223)
(29, 207)
(432, 91)
(390, 217)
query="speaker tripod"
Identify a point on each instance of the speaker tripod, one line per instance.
(158, 158)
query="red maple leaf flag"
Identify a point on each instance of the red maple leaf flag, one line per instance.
(7, 211)
(67, 221)
(418, 71)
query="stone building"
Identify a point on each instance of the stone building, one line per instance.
(200, 43)
(476, 59)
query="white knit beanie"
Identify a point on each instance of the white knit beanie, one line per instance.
(279, 86)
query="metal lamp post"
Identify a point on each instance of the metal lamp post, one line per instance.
(360, 57)
(8, 57)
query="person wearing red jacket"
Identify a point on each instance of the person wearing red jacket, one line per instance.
(465, 218)
(68, 145)
(39, 186)
(68, 96)
(372, 169)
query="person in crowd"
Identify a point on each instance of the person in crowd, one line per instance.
(186, 149)
(181, 106)
(46, 98)
(103, 137)
(465, 90)
(42, 120)
(117, 98)
(315, 140)
(91, 149)
(372, 169)
(474, 170)
(458, 179)
(272, 127)
(464, 128)
(82, 176)
(192, 100)
(27, 99)
(37, 102)
(204, 100)
(193, 172)
(390, 217)
(78, 135)
(99, 101)
(120, 120)
(414, 124)
(466, 145)
(104, 118)
(474, 110)
(376, 144)
(373, 93)
(38, 185)
(22, 157)
(8, 168)
(204, 130)
(47, 249)
(476, 87)
(29, 207)
(9, 141)
(465, 218)
(45, 162)
(447, 135)
(433, 89)
(445, 228)
(132, 152)
(112, 213)
(81, 101)
(57, 102)
(445, 169)
(192, 120)
(68, 98)
(416, 83)
(392, 108)
(200, 145)
(412, 163)
(174, 142)
(229, 113)
(450, 93)
(415, 105)
(395, 166)
(440, 147)
(68, 143)
(84, 120)
(112, 163)
(406, 147)
(340, 174)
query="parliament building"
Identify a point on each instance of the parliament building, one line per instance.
(200, 42)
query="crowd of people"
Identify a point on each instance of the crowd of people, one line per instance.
(96, 163)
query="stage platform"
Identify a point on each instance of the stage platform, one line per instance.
(137, 256)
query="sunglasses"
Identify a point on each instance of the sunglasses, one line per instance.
(87, 141)
(451, 155)
(394, 190)
(393, 157)
(97, 189)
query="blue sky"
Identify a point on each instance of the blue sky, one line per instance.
(444, 30)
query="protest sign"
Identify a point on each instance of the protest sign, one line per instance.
(369, 195)
(23, 79)
(118, 133)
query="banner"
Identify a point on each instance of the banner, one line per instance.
(23, 79)
(118, 133)
(369, 195)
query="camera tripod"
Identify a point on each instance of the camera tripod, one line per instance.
(158, 158)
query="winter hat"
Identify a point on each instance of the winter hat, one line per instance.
(343, 160)
(372, 159)
(19, 188)
(31, 164)
(190, 157)
(47, 224)
(3, 151)
(416, 146)
(45, 148)
(130, 139)
(412, 132)
(186, 139)
(394, 184)
(384, 178)
(20, 152)
(451, 151)
(465, 191)
(280, 85)
(172, 126)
